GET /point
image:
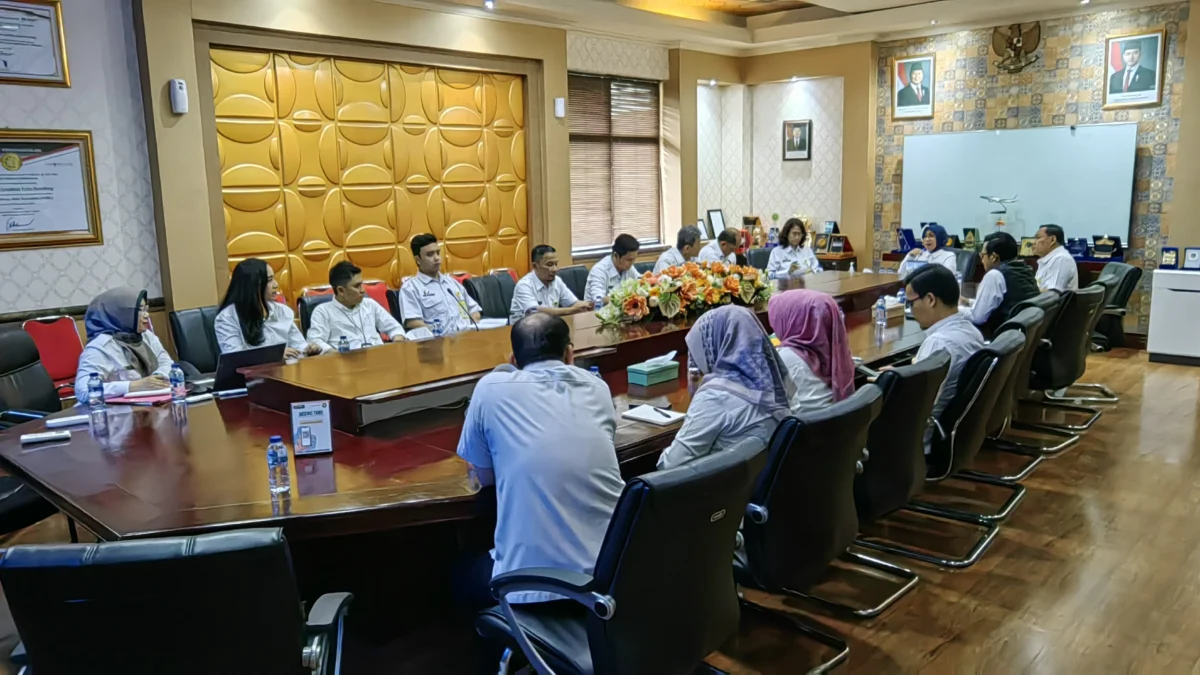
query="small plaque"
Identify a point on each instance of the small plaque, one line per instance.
(1170, 258)
(1026, 247)
(908, 241)
(837, 243)
(970, 240)
(1105, 247)
(1077, 247)
(953, 241)
(311, 429)
(822, 243)
(1191, 258)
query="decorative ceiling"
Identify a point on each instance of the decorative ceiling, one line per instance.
(735, 7)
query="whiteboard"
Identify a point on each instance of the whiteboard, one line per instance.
(1080, 178)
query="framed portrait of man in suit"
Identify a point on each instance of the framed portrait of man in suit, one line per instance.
(913, 86)
(1134, 70)
(797, 140)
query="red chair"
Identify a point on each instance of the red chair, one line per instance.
(309, 291)
(59, 346)
(504, 270)
(280, 299)
(460, 276)
(377, 291)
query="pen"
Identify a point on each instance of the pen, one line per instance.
(231, 393)
(660, 412)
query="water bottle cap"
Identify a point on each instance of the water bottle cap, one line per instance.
(277, 439)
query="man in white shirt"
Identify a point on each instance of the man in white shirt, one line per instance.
(542, 291)
(1008, 281)
(351, 314)
(687, 243)
(434, 299)
(1056, 268)
(933, 291)
(543, 435)
(612, 270)
(723, 249)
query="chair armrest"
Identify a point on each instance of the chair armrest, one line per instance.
(1046, 345)
(574, 585)
(1114, 311)
(867, 371)
(328, 609)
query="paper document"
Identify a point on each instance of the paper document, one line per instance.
(651, 415)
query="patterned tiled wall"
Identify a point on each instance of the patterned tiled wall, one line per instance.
(620, 58)
(329, 159)
(709, 161)
(105, 98)
(737, 137)
(813, 188)
(1064, 87)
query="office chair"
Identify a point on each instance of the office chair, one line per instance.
(26, 393)
(508, 286)
(575, 277)
(195, 337)
(759, 257)
(661, 597)
(393, 305)
(223, 602)
(1063, 361)
(643, 267)
(802, 515)
(377, 291)
(59, 345)
(1122, 282)
(487, 292)
(966, 261)
(308, 304)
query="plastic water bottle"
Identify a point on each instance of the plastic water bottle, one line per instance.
(852, 269)
(437, 327)
(595, 370)
(901, 297)
(343, 345)
(958, 278)
(178, 384)
(842, 314)
(277, 466)
(881, 313)
(97, 414)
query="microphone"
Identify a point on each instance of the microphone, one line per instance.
(462, 305)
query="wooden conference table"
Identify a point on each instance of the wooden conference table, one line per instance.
(159, 473)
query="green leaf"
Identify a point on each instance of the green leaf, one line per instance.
(669, 305)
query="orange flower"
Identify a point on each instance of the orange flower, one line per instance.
(750, 274)
(720, 269)
(650, 278)
(689, 291)
(690, 266)
(635, 307)
(712, 295)
(674, 272)
(654, 291)
(732, 285)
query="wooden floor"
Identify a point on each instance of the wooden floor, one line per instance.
(1095, 572)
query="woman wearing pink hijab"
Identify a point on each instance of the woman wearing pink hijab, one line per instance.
(814, 347)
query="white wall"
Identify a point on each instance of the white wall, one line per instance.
(104, 98)
(709, 167)
(618, 58)
(813, 188)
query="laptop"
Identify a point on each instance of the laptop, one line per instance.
(228, 377)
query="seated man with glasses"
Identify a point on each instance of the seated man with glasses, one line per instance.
(933, 293)
(1008, 281)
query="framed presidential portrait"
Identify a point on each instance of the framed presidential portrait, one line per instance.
(913, 85)
(1134, 70)
(797, 140)
(33, 45)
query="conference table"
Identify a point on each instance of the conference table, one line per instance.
(185, 470)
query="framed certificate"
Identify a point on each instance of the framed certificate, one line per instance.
(48, 190)
(33, 46)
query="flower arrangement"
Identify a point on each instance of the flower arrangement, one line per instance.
(693, 288)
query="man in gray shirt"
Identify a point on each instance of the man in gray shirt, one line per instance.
(933, 291)
(542, 433)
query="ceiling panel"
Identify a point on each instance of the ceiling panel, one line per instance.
(732, 7)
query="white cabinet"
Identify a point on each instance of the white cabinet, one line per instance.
(1175, 316)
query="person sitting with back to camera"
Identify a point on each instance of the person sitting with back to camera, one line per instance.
(814, 347)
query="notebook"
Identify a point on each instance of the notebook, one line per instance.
(651, 415)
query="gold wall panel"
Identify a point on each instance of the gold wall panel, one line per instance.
(327, 159)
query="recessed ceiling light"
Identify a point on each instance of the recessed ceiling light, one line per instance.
(712, 83)
(795, 78)
(933, 22)
(489, 4)
(1085, 2)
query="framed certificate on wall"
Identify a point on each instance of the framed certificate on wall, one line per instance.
(33, 46)
(48, 190)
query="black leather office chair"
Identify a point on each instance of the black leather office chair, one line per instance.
(307, 305)
(1123, 281)
(661, 597)
(575, 277)
(643, 267)
(759, 257)
(894, 470)
(393, 300)
(1063, 361)
(222, 603)
(487, 292)
(966, 261)
(195, 337)
(802, 516)
(26, 393)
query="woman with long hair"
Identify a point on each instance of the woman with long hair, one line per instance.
(814, 347)
(250, 317)
(745, 390)
(121, 348)
(933, 250)
(791, 257)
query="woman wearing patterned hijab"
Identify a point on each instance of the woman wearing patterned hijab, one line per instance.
(933, 250)
(814, 347)
(744, 392)
(121, 347)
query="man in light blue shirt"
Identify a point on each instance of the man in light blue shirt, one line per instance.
(543, 435)
(434, 299)
(612, 270)
(933, 291)
(542, 291)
